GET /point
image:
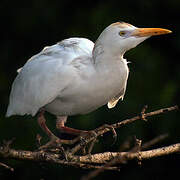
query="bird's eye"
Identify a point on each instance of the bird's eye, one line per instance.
(122, 33)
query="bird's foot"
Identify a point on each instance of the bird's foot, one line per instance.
(87, 134)
(55, 146)
(112, 129)
(54, 142)
(84, 143)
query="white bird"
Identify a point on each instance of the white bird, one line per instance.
(76, 76)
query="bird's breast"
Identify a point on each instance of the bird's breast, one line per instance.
(86, 95)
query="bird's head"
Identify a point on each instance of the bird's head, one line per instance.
(119, 37)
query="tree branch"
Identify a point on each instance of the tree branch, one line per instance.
(103, 129)
(6, 166)
(123, 157)
(100, 161)
(99, 158)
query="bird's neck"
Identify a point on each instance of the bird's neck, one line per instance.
(106, 57)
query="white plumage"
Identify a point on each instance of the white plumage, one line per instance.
(46, 74)
(76, 76)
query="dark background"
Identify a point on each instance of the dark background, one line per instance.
(28, 26)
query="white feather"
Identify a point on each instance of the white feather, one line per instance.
(74, 76)
(45, 75)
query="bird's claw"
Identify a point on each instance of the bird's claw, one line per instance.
(112, 129)
(83, 141)
(87, 135)
(54, 142)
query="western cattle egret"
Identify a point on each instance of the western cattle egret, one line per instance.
(76, 76)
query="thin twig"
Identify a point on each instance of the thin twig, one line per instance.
(101, 161)
(126, 144)
(101, 130)
(143, 112)
(154, 141)
(137, 146)
(6, 166)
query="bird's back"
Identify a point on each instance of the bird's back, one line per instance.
(42, 77)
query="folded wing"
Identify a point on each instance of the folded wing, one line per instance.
(45, 75)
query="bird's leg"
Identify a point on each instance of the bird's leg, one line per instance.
(42, 123)
(60, 125)
(81, 134)
(54, 140)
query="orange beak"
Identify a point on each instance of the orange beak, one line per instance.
(143, 32)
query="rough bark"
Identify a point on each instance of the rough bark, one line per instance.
(99, 161)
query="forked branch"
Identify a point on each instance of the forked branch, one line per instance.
(99, 161)
(103, 129)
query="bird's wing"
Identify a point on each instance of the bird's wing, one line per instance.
(67, 49)
(112, 103)
(46, 74)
